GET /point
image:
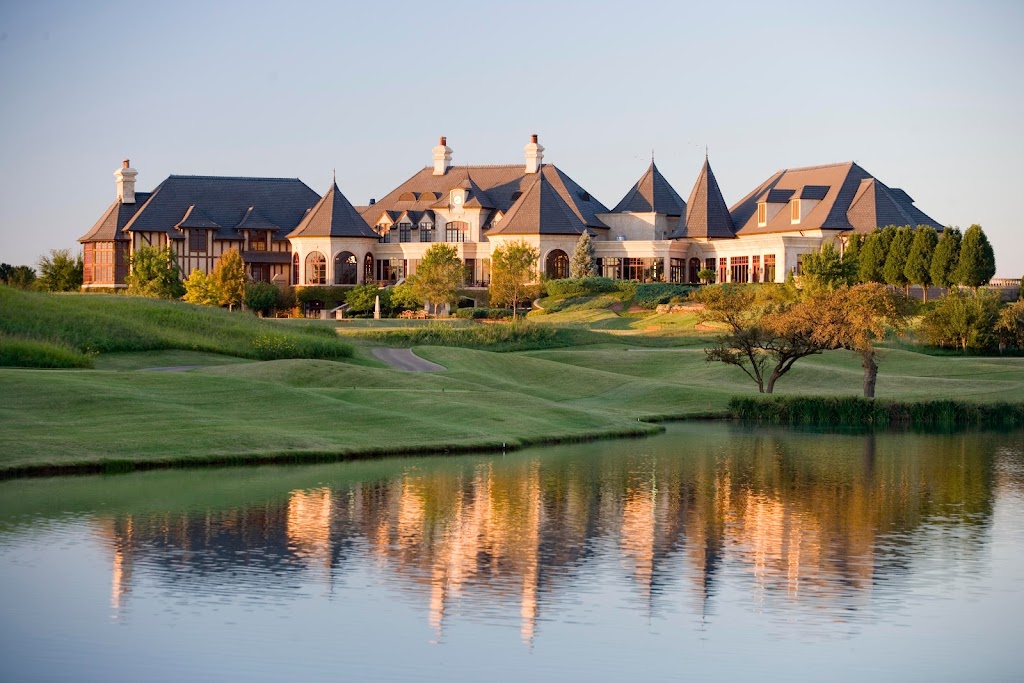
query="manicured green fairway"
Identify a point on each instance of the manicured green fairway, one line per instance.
(305, 408)
(600, 374)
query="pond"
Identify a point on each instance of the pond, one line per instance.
(713, 552)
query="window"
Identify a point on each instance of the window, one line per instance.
(677, 270)
(762, 214)
(723, 269)
(316, 269)
(98, 261)
(769, 267)
(455, 231)
(739, 268)
(426, 231)
(794, 211)
(611, 267)
(295, 269)
(557, 267)
(368, 268)
(469, 271)
(755, 269)
(258, 241)
(405, 232)
(390, 270)
(346, 268)
(385, 234)
(197, 240)
(799, 265)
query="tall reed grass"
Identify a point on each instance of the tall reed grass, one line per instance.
(855, 411)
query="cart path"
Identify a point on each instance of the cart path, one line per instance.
(405, 359)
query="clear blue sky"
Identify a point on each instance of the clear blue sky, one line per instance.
(927, 96)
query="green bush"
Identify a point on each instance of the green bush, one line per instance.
(34, 353)
(261, 296)
(583, 286)
(519, 335)
(331, 296)
(482, 313)
(651, 294)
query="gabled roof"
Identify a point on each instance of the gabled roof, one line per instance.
(254, 220)
(707, 214)
(195, 218)
(540, 211)
(652, 194)
(850, 199)
(333, 216)
(113, 220)
(493, 187)
(224, 200)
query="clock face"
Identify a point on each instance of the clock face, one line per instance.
(457, 199)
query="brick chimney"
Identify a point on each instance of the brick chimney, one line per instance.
(442, 157)
(534, 155)
(124, 178)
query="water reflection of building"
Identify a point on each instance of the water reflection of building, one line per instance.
(803, 528)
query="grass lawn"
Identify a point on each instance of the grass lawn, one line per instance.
(610, 383)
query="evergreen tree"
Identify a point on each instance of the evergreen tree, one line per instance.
(827, 269)
(871, 258)
(582, 263)
(977, 260)
(154, 273)
(896, 257)
(851, 255)
(946, 258)
(919, 262)
(229, 279)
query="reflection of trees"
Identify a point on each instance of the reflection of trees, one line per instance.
(807, 519)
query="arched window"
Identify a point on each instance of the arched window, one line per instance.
(316, 269)
(557, 265)
(694, 269)
(346, 268)
(368, 268)
(456, 231)
(295, 269)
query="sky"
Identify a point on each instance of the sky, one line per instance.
(926, 96)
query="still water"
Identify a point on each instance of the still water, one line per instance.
(712, 552)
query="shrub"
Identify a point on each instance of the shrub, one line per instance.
(517, 335)
(482, 313)
(260, 296)
(963, 319)
(331, 296)
(582, 286)
(856, 411)
(649, 295)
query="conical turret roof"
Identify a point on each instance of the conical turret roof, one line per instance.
(652, 194)
(333, 216)
(707, 214)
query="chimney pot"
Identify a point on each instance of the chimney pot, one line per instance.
(444, 140)
(125, 163)
(533, 138)
(372, 201)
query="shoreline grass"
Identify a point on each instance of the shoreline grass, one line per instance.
(854, 411)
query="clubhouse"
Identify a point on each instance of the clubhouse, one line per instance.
(290, 235)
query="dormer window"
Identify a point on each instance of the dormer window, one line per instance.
(385, 234)
(762, 214)
(258, 241)
(794, 211)
(426, 231)
(404, 232)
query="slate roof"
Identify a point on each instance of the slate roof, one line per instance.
(707, 214)
(491, 188)
(254, 220)
(195, 218)
(853, 199)
(333, 216)
(223, 200)
(652, 194)
(541, 210)
(113, 220)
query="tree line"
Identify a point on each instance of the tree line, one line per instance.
(903, 256)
